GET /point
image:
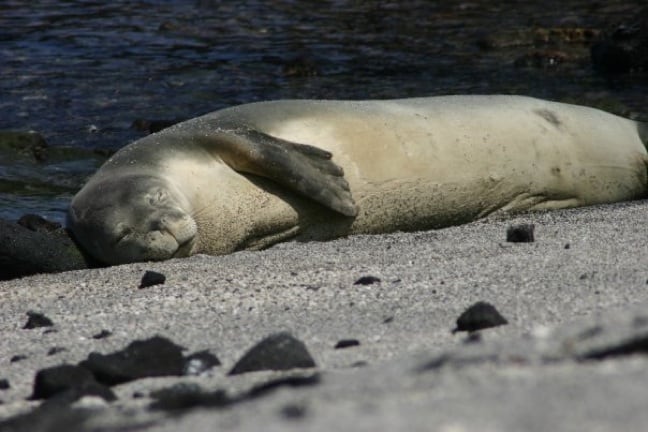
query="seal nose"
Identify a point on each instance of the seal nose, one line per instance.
(179, 225)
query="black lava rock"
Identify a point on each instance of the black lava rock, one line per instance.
(37, 223)
(293, 411)
(280, 351)
(479, 316)
(156, 356)
(58, 379)
(346, 343)
(522, 233)
(4, 384)
(36, 320)
(367, 280)
(184, 396)
(25, 252)
(151, 278)
(28, 144)
(55, 350)
(199, 362)
(102, 334)
(17, 358)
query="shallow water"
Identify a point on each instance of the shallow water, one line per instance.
(80, 72)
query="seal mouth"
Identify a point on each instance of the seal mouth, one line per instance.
(184, 249)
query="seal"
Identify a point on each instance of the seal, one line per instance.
(253, 175)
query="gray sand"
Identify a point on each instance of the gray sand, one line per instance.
(561, 303)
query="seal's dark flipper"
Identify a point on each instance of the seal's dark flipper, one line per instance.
(24, 252)
(303, 168)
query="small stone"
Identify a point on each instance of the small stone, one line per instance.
(367, 280)
(151, 278)
(152, 357)
(522, 233)
(17, 358)
(56, 350)
(58, 379)
(36, 319)
(567, 246)
(293, 411)
(199, 362)
(4, 384)
(102, 334)
(346, 343)
(280, 351)
(479, 316)
(388, 320)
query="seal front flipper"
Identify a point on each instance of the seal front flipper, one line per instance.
(305, 169)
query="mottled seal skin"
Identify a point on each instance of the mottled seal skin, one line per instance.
(253, 175)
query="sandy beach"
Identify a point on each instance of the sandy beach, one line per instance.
(571, 357)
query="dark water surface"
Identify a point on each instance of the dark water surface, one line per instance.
(80, 72)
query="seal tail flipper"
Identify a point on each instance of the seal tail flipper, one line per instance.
(304, 169)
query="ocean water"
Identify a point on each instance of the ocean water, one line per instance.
(81, 72)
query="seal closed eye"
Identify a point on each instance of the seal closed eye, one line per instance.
(249, 176)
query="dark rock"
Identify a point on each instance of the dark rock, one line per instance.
(479, 316)
(56, 350)
(17, 358)
(36, 320)
(522, 233)
(4, 384)
(199, 362)
(25, 252)
(280, 351)
(151, 278)
(366, 280)
(346, 343)
(37, 223)
(58, 379)
(156, 356)
(291, 381)
(185, 396)
(102, 334)
(293, 411)
(30, 144)
(388, 320)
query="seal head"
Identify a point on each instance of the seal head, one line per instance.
(133, 218)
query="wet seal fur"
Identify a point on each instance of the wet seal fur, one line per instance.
(253, 175)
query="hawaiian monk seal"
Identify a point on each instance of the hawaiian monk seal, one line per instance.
(253, 175)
